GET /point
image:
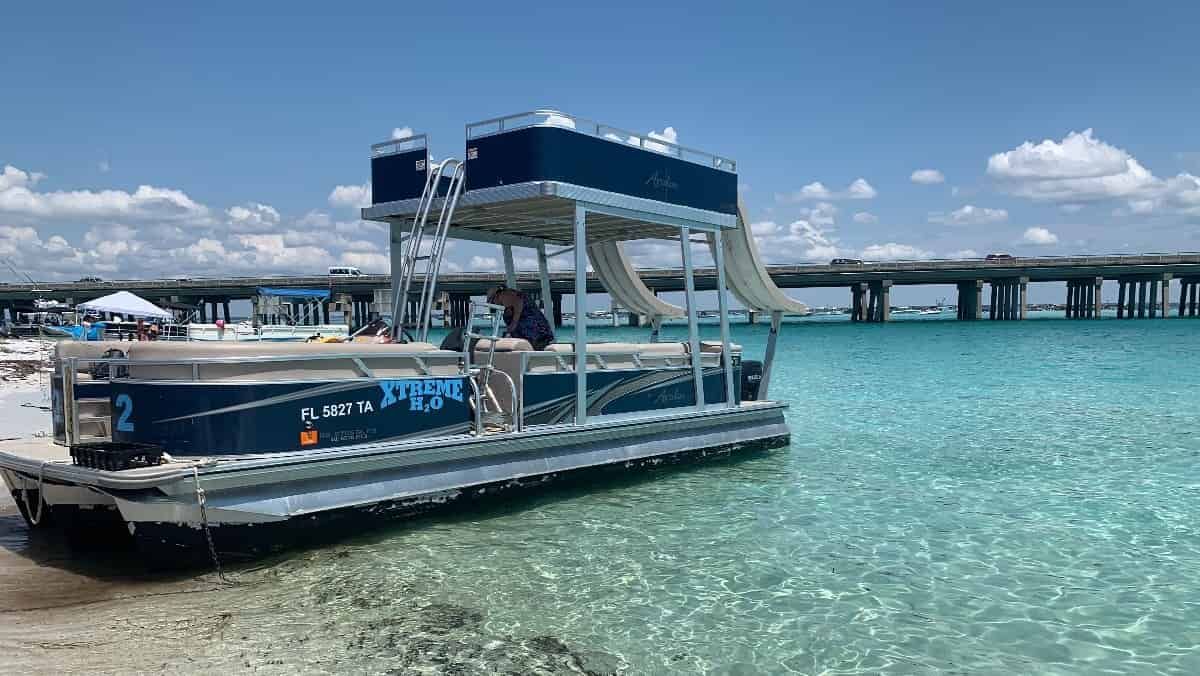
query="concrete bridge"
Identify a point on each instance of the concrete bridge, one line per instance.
(1144, 281)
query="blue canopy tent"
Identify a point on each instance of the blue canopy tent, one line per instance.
(305, 304)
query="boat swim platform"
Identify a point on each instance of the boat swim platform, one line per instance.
(526, 174)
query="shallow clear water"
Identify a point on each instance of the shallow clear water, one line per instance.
(963, 497)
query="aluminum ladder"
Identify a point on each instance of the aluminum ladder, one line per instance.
(432, 258)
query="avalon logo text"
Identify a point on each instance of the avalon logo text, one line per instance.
(661, 181)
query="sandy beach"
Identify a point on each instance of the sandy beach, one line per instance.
(83, 604)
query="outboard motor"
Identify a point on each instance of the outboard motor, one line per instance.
(752, 373)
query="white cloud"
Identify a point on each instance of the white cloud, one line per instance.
(401, 132)
(859, 189)
(1040, 236)
(13, 177)
(823, 214)
(668, 134)
(1078, 155)
(352, 196)
(865, 218)
(371, 263)
(1081, 168)
(483, 263)
(970, 215)
(893, 251)
(253, 217)
(147, 202)
(815, 191)
(927, 177)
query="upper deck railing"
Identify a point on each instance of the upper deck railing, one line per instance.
(561, 120)
(399, 145)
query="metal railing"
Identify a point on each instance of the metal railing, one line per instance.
(561, 120)
(399, 145)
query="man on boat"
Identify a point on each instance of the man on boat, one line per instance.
(522, 318)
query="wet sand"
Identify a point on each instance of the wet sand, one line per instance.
(84, 604)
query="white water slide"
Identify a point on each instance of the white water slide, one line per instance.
(745, 276)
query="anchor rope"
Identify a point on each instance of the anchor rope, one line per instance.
(212, 549)
(36, 520)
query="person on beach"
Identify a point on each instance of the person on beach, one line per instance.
(522, 318)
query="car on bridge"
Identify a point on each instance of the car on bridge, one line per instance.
(999, 257)
(343, 271)
(845, 261)
(89, 280)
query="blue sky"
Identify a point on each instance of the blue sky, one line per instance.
(242, 119)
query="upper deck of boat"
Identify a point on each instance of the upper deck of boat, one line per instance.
(525, 174)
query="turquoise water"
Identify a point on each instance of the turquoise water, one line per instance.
(964, 497)
(984, 498)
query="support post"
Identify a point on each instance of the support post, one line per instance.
(769, 358)
(1166, 296)
(1121, 298)
(1131, 308)
(992, 302)
(885, 301)
(580, 315)
(857, 307)
(655, 327)
(547, 298)
(1141, 306)
(396, 254)
(510, 269)
(1153, 297)
(1099, 301)
(723, 308)
(689, 291)
(1024, 299)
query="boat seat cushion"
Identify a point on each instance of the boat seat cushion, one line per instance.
(504, 345)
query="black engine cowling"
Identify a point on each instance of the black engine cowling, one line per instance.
(752, 372)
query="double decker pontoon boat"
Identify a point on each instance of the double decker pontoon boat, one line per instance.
(239, 448)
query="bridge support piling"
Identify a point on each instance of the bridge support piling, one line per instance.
(858, 302)
(203, 311)
(881, 295)
(1024, 298)
(751, 316)
(992, 301)
(225, 309)
(970, 300)
(1070, 306)
(1153, 298)
(1165, 308)
(1141, 304)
